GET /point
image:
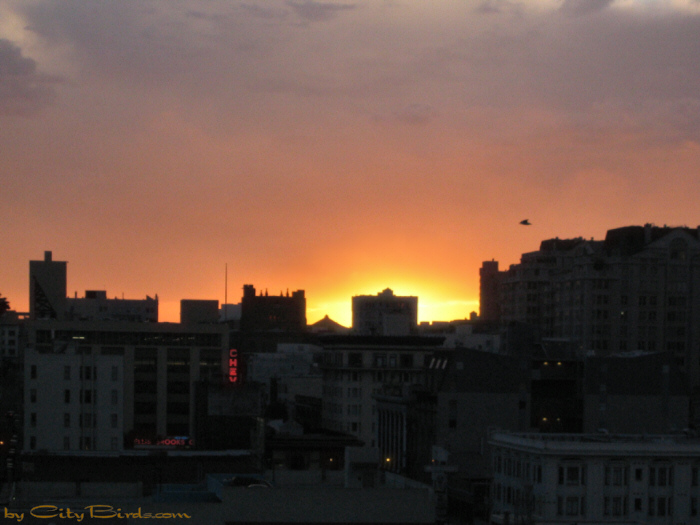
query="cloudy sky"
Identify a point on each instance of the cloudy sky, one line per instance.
(340, 147)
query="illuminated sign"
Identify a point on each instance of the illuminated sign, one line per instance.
(167, 441)
(233, 366)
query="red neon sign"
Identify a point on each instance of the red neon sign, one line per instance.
(233, 366)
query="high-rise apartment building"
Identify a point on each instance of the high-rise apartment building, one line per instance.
(638, 290)
(384, 314)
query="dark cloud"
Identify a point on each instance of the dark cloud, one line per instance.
(23, 90)
(318, 11)
(488, 8)
(583, 7)
(268, 13)
(416, 114)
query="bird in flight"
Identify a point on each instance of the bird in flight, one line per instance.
(525, 222)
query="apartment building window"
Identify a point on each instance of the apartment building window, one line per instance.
(572, 475)
(88, 420)
(32, 442)
(355, 359)
(88, 372)
(392, 361)
(66, 420)
(32, 395)
(32, 419)
(661, 476)
(66, 396)
(66, 443)
(87, 396)
(694, 477)
(115, 397)
(615, 506)
(661, 506)
(616, 476)
(693, 506)
(66, 372)
(452, 413)
(380, 360)
(32, 372)
(571, 506)
(638, 474)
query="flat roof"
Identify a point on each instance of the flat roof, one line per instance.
(600, 444)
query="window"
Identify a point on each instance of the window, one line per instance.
(32, 419)
(66, 396)
(572, 475)
(616, 476)
(113, 420)
(86, 396)
(637, 504)
(355, 359)
(661, 476)
(115, 397)
(693, 506)
(115, 373)
(32, 395)
(66, 443)
(574, 506)
(32, 442)
(638, 474)
(32, 372)
(694, 477)
(66, 420)
(380, 360)
(88, 420)
(66, 372)
(616, 506)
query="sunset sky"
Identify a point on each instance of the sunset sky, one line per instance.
(339, 147)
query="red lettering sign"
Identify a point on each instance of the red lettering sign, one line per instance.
(233, 365)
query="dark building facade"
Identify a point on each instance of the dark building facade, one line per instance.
(264, 313)
(638, 290)
(384, 314)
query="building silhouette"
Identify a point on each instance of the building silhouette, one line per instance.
(266, 313)
(384, 314)
(637, 290)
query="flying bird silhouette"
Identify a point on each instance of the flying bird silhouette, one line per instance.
(526, 222)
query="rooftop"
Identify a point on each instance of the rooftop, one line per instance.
(660, 445)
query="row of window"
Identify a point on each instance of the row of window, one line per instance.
(85, 420)
(85, 396)
(659, 476)
(518, 469)
(84, 443)
(85, 373)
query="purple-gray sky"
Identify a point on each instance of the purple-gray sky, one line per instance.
(340, 147)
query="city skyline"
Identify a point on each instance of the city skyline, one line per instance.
(336, 147)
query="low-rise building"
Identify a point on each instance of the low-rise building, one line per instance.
(595, 478)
